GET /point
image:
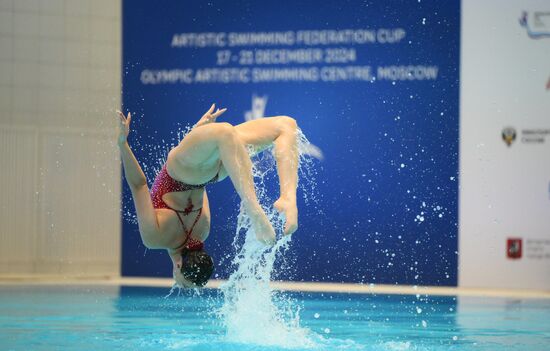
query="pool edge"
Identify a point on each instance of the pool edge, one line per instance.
(279, 285)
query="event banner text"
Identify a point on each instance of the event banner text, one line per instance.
(289, 56)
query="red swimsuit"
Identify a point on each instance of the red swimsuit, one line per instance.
(164, 184)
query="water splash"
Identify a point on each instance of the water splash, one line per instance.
(307, 172)
(252, 312)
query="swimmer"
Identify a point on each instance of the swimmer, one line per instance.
(175, 214)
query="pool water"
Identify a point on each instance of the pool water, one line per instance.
(132, 318)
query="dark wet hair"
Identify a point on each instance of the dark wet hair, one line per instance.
(197, 266)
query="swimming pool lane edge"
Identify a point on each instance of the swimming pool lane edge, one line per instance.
(279, 285)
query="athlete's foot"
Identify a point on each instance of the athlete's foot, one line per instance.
(263, 229)
(289, 209)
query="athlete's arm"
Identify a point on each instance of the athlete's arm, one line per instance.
(147, 218)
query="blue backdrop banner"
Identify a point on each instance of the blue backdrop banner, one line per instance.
(373, 84)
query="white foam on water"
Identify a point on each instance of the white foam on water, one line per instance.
(252, 312)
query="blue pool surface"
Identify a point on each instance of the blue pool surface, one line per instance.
(132, 318)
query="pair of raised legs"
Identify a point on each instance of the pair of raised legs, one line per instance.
(199, 154)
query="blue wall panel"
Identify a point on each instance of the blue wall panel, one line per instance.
(387, 189)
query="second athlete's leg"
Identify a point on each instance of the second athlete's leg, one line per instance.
(281, 132)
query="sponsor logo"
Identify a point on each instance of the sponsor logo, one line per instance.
(513, 248)
(536, 23)
(508, 135)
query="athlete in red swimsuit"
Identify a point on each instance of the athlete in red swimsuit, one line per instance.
(165, 184)
(175, 215)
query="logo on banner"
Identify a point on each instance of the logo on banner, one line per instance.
(258, 108)
(508, 135)
(513, 248)
(537, 24)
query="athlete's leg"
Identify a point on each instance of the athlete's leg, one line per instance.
(196, 159)
(280, 131)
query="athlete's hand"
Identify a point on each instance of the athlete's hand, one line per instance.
(124, 127)
(210, 116)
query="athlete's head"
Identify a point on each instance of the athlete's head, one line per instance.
(196, 269)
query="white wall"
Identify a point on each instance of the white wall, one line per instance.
(59, 83)
(504, 191)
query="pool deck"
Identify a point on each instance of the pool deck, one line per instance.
(288, 286)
